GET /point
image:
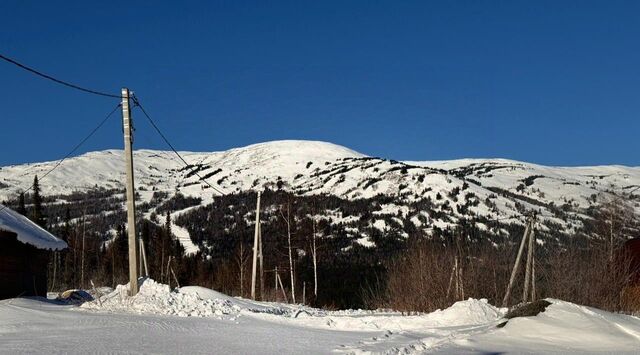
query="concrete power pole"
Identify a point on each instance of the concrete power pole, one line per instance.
(131, 205)
(256, 247)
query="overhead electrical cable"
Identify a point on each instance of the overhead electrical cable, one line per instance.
(73, 150)
(62, 82)
(137, 103)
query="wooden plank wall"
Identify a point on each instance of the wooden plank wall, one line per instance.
(23, 268)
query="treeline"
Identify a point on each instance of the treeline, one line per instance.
(330, 250)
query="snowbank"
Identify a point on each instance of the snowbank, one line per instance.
(468, 326)
(156, 298)
(194, 301)
(568, 326)
(563, 327)
(248, 305)
(467, 312)
(190, 301)
(27, 231)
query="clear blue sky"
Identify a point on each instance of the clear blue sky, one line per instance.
(552, 82)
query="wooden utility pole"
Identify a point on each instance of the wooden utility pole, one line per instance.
(529, 272)
(256, 249)
(143, 256)
(528, 275)
(276, 281)
(131, 205)
(314, 252)
(260, 261)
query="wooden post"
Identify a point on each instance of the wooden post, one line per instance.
(453, 274)
(516, 267)
(144, 258)
(315, 263)
(460, 282)
(284, 293)
(260, 261)
(168, 276)
(533, 279)
(131, 205)
(84, 230)
(529, 267)
(255, 249)
(275, 277)
(139, 255)
(174, 277)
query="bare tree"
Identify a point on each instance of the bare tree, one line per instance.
(314, 255)
(287, 220)
(615, 215)
(84, 230)
(242, 257)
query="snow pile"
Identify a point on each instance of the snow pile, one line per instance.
(27, 231)
(565, 325)
(244, 304)
(156, 298)
(471, 311)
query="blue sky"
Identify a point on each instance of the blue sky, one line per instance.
(552, 82)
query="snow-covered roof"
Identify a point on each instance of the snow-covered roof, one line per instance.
(27, 231)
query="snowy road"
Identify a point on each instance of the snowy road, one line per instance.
(36, 326)
(30, 326)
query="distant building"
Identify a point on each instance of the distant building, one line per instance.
(24, 255)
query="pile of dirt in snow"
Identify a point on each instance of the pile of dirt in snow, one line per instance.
(529, 309)
(156, 298)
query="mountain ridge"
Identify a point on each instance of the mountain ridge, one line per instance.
(478, 189)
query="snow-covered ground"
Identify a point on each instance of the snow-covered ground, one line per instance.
(202, 321)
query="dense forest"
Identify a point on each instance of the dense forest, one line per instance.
(326, 250)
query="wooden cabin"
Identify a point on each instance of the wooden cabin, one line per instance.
(24, 254)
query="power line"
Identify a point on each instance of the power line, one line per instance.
(77, 146)
(137, 103)
(36, 72)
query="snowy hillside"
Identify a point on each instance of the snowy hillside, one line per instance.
(483, 189)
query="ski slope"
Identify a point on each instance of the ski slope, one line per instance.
(200, 321)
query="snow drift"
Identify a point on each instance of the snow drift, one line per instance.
(158, 315)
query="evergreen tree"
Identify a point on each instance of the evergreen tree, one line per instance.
(167, 226)
(36, 215)
(22, 209)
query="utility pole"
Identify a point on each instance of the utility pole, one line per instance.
(528, 275)
(530, 263)
(256, 247)
(131, 205)
(260, 261)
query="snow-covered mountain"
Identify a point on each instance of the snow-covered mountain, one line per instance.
(487, 189)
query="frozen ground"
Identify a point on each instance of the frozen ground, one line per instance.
(201, 321)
